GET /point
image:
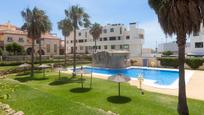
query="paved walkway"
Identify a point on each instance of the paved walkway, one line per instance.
(194, 88)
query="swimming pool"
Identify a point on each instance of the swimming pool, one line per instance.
(154, 77)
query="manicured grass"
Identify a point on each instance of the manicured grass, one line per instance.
(7, 67)
(50, 97)
(2, 112)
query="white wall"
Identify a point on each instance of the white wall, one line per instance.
(194, 40)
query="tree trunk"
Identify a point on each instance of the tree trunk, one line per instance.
(95, 46)
(40, 52)
(182, 103)
(74, 63)
(65, 51)
(32, 58)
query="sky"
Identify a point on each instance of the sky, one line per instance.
(100, 11)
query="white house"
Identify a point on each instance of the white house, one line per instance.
(172, 46)
(113, 37)
(197, 41)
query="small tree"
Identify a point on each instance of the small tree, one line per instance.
(9, 48)
(167, 53)
(14, 48)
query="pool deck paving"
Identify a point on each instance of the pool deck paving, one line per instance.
(194, 88)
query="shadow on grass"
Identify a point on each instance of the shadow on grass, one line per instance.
(80, 90)
(23, 74)
(118, 99)
(26, 79)
(65, 80)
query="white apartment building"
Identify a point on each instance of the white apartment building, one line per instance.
(172, 46)
(197, 42)
(113, 37)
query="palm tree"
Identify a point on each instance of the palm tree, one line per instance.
(96, 31)
(180, 18)
(36, 24)
(66, 27)
(48, 26)
(79, 18)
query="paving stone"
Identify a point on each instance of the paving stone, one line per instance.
(19, 113)
(8, 110)
(11, 112)
(5, 106)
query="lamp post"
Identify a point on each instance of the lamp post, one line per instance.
(141, 79)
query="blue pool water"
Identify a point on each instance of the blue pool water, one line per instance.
(162, 77)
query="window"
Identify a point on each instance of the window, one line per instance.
(90, 47)
(121, 30)
(126, 46)
(81, 41)
(20, 40)
(55, 48)
(86, 34)
(112, 30)
(101, 39)
(141, 36)
(99, 47)
(9, 39)
(127, 37)
(71, 41)
(112, 38)
(105, 39)
(81, 48)
(119, 38)
(121, 46)
(195, 33)
(199, 45)
(104, 31)
(112, 47)
(85, 40)
(79, 33)
(48, 48)
(105, 47)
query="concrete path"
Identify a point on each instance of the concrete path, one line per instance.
(194, 88)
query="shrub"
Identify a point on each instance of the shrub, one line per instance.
(167, 53)
(1, 52)
(14, 48)
(169, 62)
(194, 63)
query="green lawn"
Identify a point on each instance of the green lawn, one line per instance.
(7, 67)
(46, 96)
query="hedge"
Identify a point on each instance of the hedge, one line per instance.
(169, 62)
(194, 63)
